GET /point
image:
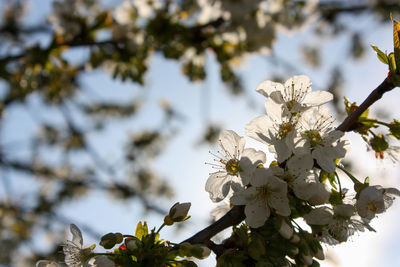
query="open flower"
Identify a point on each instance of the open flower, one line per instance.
(235, 166)
(267, 192)
(75, 254)
(273, 129)
(308, 187)
(340, 223)
(375, 199)
(318, 138)
(295, 94)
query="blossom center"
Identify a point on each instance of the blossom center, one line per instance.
(372, 207)
(314, 137)
(284, 129)
(232, 166)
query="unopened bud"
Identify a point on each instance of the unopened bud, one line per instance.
(285, 230)
(132, 243)
(295, 239)
(320, 254)
(179, 211)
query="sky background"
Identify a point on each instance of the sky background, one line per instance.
(183, 161)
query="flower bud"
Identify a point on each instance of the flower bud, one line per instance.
(45, 263)
(307, 259)
(132, 243)
(320, 254)
(285, 230)
(178, 213)
(295, 239)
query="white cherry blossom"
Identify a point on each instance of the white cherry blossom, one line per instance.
(307, 187)
(273, 129)
(75, 254)
(295, 94)
(266, 194)
(340, 222)
(235, 165)
(318, 138)
(375, 199)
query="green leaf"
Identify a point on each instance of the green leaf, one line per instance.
(396, 41)
(381, 56)
(141, 230)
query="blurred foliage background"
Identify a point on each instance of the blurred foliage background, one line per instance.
(43, 63)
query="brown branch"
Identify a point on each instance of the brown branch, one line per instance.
(233, 217)
(375, 95)
(236, 214)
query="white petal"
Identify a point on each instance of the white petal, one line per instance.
(232, 143)
(218, 185)
(319, 216)
(259, 128)
(260, 177)
(244, 197)
(256, 214)
(324, 159)
(283, 151)
(317, 98)
(344, 210)
(299, 164)
(301, 83)
(267, 87)
(76, 235)
(280, 203)
(321, 194)
(249, 161)
(274, 111)
(277, 97)
(305, 186)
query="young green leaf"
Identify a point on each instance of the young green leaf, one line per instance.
(381, 56)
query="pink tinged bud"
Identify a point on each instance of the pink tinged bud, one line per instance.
(285, 230)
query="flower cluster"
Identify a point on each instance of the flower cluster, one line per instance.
(302, 179)
(145, 248)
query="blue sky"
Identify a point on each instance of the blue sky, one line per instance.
(183, 162)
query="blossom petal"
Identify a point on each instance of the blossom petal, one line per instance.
(256, 214)
(243, 197)
(259, 128)
(232, 143)
(76, 235)
(319, 216)
(317, 98)
(267, 87)
(218, 186)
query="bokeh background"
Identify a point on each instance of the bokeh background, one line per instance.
(109, 109)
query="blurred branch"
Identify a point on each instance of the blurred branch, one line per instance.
(102, 164)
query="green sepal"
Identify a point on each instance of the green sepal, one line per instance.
(335, 198)
(141, 230)
(394, 129)
(324, 176)
(381, 56)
